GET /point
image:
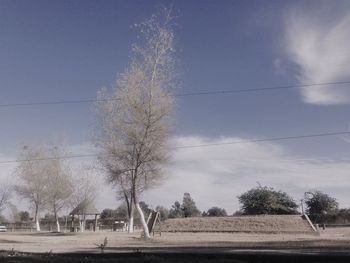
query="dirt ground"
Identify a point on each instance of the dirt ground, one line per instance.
(123, 242)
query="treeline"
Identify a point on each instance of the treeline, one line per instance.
(261, 200)
(187, 208)
(319, 206)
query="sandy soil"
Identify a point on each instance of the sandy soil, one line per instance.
(121, 241)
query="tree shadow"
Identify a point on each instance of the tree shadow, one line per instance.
(48, 234)
(6, 241)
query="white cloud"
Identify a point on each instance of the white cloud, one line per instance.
(317, 41)
(216, 175)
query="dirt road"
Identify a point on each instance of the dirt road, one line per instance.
(121, 241)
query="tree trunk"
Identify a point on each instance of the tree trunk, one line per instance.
(58, 228)
(81, 223)
(37, 223)
(127, 203)
(58, 225)
(84, 223)
(143, 221)
(95, 224)
(131, 219)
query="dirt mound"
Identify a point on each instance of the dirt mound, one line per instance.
(254, 224)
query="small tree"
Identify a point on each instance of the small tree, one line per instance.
(14, 213)
(60, 185)
(164, 213)
(176, 211)
(215, 211)
(24, 216)
(19, 216)
(189, 207)
(107, 213)
(84, 193)
(119, 213)
(320, 205)
(265, 200)
(343, 215)
(33, 173)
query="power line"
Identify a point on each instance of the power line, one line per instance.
(297, 137)
(269, 139)
(262, 89)
(202, 93)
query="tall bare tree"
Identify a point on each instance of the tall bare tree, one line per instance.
(33, 173)
(60, 185)
(135, 119)
(5, 194)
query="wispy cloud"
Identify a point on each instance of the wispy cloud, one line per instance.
(317, 41)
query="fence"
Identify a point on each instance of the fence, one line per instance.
(30, 226)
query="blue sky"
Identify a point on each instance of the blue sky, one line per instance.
(66, 50)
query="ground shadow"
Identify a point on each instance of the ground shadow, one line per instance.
(6, 241)
(13, 256)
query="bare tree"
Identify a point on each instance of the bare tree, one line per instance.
(60, 185)
(33, 173)
(84, 193)
(5, 194)
(135, 120)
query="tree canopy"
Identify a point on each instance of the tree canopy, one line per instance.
(319, 205)
(120, 213)
(188, 208)
(44, 179)
(265, 200)
(215, 211)
(164, 212)
(175, 210)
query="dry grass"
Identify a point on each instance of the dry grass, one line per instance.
(249, 224)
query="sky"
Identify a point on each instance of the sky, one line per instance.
(68, 50)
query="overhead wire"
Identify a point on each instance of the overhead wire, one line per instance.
(200, 93)
(297, 137)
